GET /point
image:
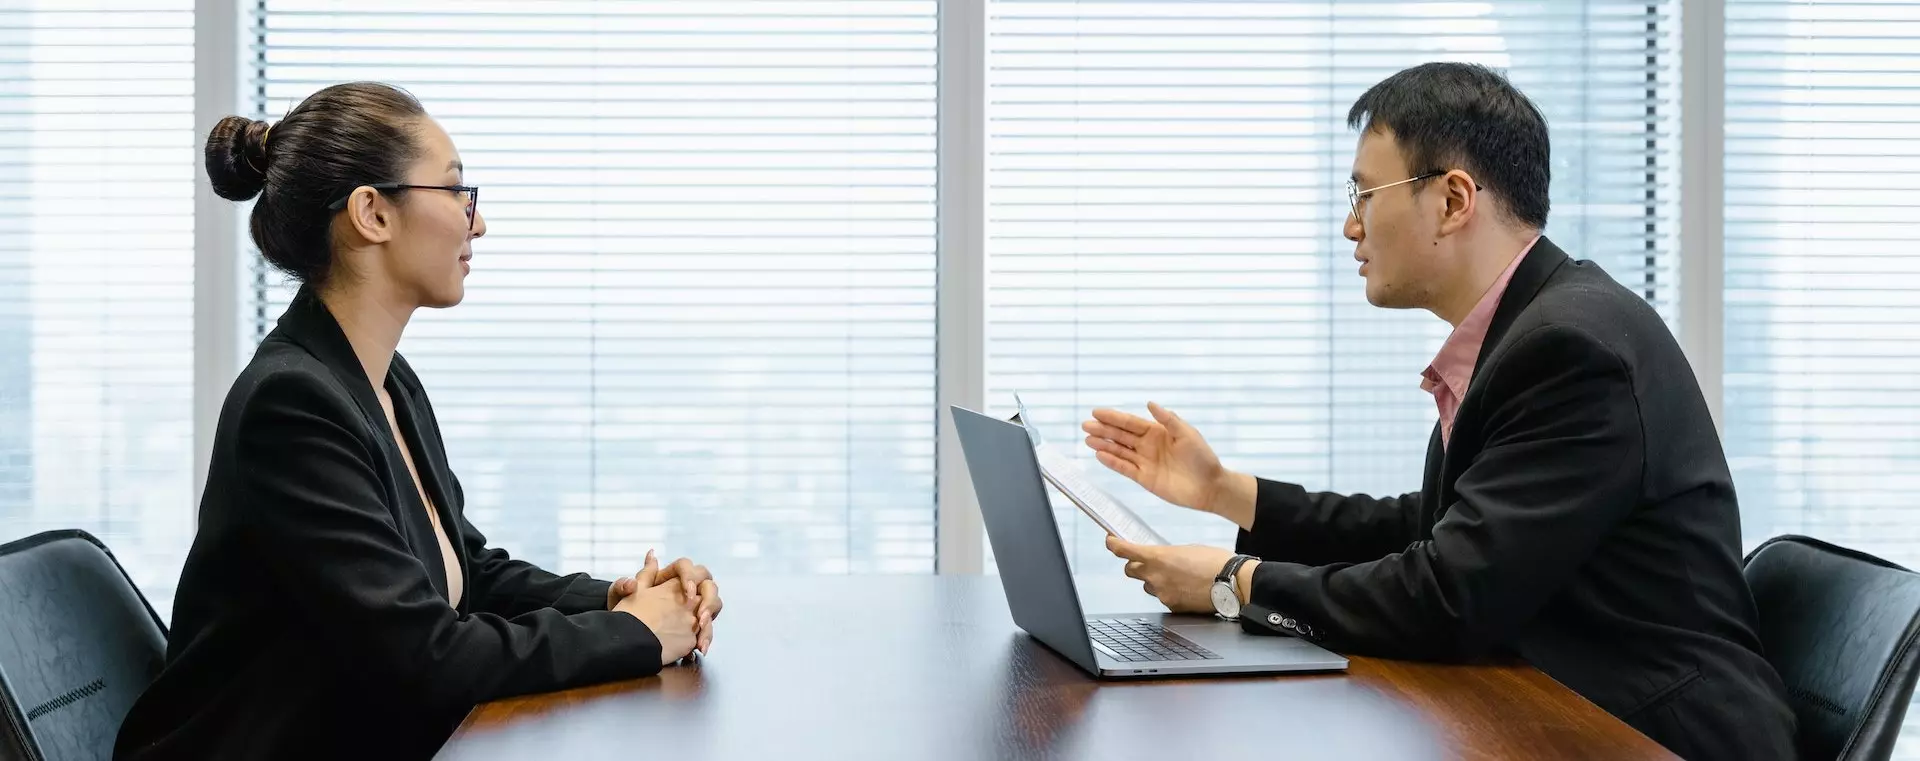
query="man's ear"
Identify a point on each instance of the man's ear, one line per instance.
(1461, 201)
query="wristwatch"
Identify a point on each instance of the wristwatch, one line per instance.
(1226, 588)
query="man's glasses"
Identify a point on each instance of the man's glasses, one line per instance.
(472, 194)
(1354, 193)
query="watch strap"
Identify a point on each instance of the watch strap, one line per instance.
(1231, 569)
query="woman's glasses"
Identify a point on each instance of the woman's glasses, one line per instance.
(472, 194)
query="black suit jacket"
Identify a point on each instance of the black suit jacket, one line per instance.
(1582, 517)
(312, 618)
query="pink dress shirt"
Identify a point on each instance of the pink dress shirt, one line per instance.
(1452, 369)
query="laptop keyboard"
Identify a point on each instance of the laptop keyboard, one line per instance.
(1137, 639)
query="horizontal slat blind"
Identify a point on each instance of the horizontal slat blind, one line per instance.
(702, 319)
(1823, 291)
(96, 277)
(1165, 189)
(1822, 285)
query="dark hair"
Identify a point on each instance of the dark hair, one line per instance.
(1465, 116)
(336, 140)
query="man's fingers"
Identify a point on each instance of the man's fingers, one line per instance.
(1136, 569)
(1126, 549)
(1118, 465)
(1133, 424)
(1114, 448)
(1168, 419)
(1118, 435)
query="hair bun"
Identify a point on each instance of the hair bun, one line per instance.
(237, 157)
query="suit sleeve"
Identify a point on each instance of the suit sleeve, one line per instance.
(1562, 464)
(319, 513)
(509, 587)
(1316, 528)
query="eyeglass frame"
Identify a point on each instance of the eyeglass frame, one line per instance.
(473, 196)
(1354, 193)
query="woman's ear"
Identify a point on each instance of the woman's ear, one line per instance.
(370, 215)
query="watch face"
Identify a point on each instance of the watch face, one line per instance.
(1225, 602)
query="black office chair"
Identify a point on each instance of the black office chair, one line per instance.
(1840, 628)
(77, 644)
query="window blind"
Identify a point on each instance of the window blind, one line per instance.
(1822, 317)
(1165, 189)
(703, 317)
(97, 157)
(1822, 320)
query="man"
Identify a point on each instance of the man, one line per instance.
(1577, 509)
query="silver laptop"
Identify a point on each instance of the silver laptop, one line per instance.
(1039, 583)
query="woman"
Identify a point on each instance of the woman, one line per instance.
(336, 602)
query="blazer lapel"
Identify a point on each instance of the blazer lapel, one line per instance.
(429, 457)
(1528, 279)
(308, 323)
(1442, 464)
(1532, 275)
(1430, 505)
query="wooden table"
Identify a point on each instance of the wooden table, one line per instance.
(925, 667)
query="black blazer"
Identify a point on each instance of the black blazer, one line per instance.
(312, 618)
(1583, 518)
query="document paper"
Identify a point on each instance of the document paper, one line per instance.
(1066, 476)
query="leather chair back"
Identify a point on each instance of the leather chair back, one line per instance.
(78, 643)
(1839, 626)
